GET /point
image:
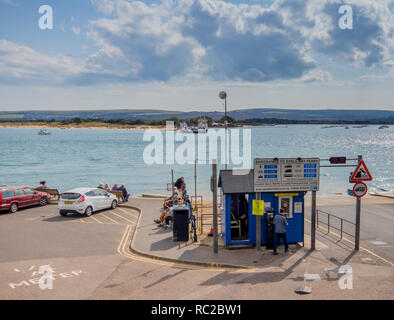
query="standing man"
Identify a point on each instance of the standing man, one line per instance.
(280, 223)
(180, 183)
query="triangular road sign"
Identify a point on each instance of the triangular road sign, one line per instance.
(361, 173)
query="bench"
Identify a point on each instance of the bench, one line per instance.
(118, 194)
(52, 192)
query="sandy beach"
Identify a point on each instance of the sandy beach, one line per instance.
(87, 125)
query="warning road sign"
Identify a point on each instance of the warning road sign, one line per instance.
(360, 189)
(361, 173)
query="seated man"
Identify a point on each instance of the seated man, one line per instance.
(43, 185)
(101, 186)
(171, 199)
(115, 187)
(126, 195)
(167, 213)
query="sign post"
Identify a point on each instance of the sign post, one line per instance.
(258, 211)
(214, 187)
(359, 190)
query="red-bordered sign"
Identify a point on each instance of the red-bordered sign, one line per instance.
(360, 189)
(361, 173)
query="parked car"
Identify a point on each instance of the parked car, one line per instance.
(13, 198)
(86, 201)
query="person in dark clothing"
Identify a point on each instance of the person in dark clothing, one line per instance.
(280, 223)
(126, 195)
(179, 183)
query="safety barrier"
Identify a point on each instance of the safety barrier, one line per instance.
(332, 223)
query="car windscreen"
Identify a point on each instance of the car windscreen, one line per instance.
(70, 196)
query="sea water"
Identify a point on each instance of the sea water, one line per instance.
(80, 157)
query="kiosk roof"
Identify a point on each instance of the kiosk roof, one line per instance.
(236, 181)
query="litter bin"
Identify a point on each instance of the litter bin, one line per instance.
(181, 224)
(270, 212)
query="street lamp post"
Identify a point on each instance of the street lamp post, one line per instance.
(223, 96)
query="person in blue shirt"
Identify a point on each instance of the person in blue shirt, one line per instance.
(280, 223)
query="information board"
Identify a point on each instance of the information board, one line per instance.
(286, 174)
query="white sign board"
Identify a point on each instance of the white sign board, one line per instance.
(286, 174)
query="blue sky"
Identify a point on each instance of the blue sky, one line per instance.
(178, 54)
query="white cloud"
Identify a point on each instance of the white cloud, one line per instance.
(214, 40)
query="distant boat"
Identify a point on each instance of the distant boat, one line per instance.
(44, 132)
(185, 128)
(201, 128)
(383, 127)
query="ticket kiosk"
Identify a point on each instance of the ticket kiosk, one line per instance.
(238, 224)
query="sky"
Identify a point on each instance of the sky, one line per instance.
(179, 54)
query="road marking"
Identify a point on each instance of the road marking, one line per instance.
(102, 214)
(132, 222)
(95, 219)
(129, 213)
(122, 250)
(352, 242)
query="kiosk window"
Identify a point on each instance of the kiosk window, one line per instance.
(286, 204)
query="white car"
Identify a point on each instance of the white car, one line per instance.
(86, 201)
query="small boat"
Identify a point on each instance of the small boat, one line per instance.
(383, 127)
(201, 128)
(44, 132)
(185, 128)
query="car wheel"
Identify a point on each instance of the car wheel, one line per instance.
(88, 211)
(114, 204)
(43, 201)
(14, 207)
(63, 213)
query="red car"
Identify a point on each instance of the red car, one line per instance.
(13, 198)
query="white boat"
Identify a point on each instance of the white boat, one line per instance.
(202, 125)
(201, 128)
(185, 128)
(44, 132)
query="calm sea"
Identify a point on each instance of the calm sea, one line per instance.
(77, 157)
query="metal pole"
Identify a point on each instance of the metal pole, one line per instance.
(258, 227)
(195, 185)
(215, 206)
(172, 181)
(358, 216)
(225, 130)
(313, 221)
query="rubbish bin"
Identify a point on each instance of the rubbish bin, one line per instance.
(269, 213)
(181, 224)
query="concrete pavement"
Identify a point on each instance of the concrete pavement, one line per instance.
(92, 261)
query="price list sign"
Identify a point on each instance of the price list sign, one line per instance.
(286, 174)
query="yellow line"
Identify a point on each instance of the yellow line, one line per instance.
(102, 214)
(122, 217)
(95, 219)
(123, 251)
(129, 213)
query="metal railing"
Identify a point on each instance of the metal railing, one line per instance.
(331, 223)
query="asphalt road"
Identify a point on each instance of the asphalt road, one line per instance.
(377, 225)
(89, 260)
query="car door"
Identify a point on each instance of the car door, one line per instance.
(94, 199)
(21, 198)
(104, 198)
(31, 197)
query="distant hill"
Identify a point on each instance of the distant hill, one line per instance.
(151, 114)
